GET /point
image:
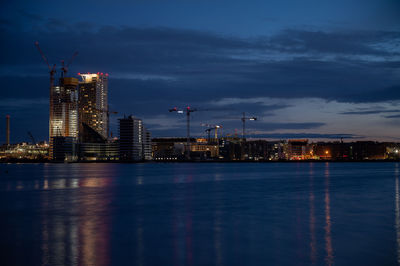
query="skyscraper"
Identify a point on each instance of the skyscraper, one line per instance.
(63, 110)
(93, 103)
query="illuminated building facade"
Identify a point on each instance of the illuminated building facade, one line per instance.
(63, 110)
(298, 149)
(93, 103)
(98, 151)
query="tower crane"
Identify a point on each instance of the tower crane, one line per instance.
(212, 127)
(52, 72)
(244, 118)
(64, 67)
(188, 110)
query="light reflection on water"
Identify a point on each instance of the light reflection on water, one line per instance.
(328, 225)
(200, 214)
(397, 211)
(313, 240)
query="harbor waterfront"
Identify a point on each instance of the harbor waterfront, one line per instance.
(318, 213)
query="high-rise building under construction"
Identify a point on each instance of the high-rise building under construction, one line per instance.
(93, 105)
(63, 110)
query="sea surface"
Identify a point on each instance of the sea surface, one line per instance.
(200, 214)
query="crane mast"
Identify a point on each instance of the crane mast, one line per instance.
(188, 110)
(208, 130)
(52, 72)
(244, 118)
(64, 67)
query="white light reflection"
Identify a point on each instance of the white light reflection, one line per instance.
(139, 180)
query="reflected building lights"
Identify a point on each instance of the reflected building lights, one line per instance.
(217, 236)
(182, 227)
(313, 240)
(45, 243)
(81, 239)
(139, 180)
(139, 242)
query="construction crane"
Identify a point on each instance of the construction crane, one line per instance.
(64, 67)
(32, 138)
(244, 118)
(108, 112)
(52, 72)
(188, 110)
(211, 127)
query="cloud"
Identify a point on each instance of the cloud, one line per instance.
(271, 126)
(304, 136)
(392, 116)
(369, 112)
(345, 42)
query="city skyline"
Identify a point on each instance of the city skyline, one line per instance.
(321, 72)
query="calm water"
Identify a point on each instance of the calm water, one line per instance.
(200, 214)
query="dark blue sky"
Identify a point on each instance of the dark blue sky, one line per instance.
(305, 68)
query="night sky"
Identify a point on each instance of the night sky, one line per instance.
(306, 69)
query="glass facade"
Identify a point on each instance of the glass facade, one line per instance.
(93, 102)
(63, 110)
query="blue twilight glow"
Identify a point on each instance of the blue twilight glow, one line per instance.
(303, 68)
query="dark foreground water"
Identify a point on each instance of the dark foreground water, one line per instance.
(200, 214)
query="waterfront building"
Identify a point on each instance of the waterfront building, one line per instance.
(63, 120)
(108, 151)
(256, 150)
(147, 149)
(298, 149)
(93, 104)
(167, 149)
(25, 151)
(368, 150)
(134, 142)
(204, 150)
(64, 149)
(332, 150)
(231, 148)
(276, 150)
(170, 149)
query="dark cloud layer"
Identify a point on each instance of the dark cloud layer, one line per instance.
(369, 112)
(285, 136)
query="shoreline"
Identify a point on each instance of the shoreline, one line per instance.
(195, 161)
